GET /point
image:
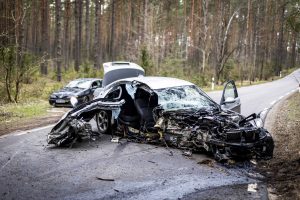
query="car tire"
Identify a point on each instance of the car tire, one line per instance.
(103, 121)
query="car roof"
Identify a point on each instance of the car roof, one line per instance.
(157, 82)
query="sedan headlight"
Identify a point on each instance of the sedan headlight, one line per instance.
(52, 96)
(73, 101)
(259, 122)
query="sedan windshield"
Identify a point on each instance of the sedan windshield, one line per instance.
(184, 97)
(84, 84)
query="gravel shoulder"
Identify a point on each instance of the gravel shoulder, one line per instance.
(283, 171)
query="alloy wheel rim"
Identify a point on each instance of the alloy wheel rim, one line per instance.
(102, 121)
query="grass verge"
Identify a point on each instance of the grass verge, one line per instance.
(14, 112)
(25, 116)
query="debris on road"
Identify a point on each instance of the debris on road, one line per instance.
(115, 140)
(187, 153)
(207, 162)
(104, 179)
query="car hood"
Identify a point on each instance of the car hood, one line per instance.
(64, 92)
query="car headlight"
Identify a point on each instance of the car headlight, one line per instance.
(73, 101)
(259, 122)
(53, 96)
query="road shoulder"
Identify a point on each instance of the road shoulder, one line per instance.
(23, 124)
(282, 172)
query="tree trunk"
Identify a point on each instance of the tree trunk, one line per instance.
(67, 16)
(280, 48)
(58, 38)
(112, 29)
(87, 29)
(78, 23)
(19, 35)
(293, 49)
(45, 36)
(97, 49)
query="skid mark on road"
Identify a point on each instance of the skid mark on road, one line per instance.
(9, 160)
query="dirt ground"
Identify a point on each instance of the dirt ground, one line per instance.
(52, 116)
(283, 171)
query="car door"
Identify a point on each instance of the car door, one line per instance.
(230, 99)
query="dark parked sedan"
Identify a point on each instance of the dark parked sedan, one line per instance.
(80, 89)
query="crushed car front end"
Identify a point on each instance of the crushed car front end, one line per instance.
(225, 134)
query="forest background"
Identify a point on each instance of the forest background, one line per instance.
(45, 43)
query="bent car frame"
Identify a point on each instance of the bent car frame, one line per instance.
(170, 112)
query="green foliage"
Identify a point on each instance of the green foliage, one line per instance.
(293, 17)
(14, 112)
(229, 71)
(177, 68)
(15, 74)
(145, 60)
(86, 70)
(269, 71)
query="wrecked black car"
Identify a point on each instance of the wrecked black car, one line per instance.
(170, 112)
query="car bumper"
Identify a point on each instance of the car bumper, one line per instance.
(262, 148)
(60, 102)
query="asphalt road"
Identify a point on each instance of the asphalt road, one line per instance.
(29, 169)
(257, 98)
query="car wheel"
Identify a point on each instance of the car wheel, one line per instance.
(103, 121)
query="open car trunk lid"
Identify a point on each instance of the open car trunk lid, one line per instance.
(119, 70)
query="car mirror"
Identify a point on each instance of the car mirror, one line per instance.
(229, 100)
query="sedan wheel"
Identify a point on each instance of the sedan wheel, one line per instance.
(102, 119)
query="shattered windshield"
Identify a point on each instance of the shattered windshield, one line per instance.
(184, 97)
(84, 84)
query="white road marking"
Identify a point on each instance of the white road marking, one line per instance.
(21, 133)
(33, 130)
(3, 136)
(263, 112)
